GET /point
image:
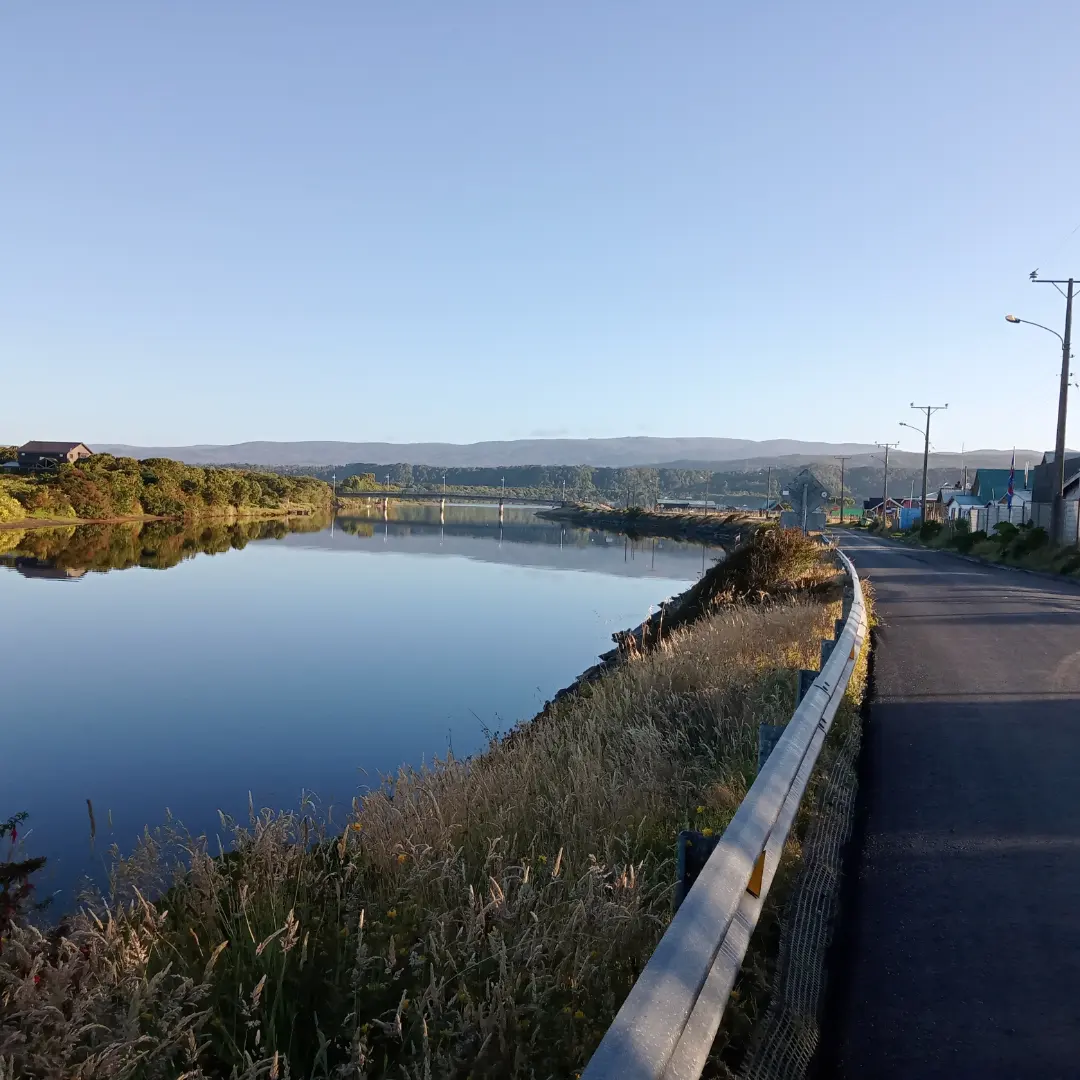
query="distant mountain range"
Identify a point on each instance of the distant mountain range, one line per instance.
(736, 454)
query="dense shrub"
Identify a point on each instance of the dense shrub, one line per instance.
(964, 539)
(928, 530)
(103, 486)
(1029, 539)
(1006, 532)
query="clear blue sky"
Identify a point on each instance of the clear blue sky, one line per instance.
(488, 220)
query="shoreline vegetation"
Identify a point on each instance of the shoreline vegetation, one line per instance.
(106, 489)
(723, 529)
(479, 917)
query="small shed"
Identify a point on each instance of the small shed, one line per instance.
(49, 455)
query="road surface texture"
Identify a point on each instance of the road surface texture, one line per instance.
(961, 956)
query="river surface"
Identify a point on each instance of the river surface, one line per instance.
(153, 669)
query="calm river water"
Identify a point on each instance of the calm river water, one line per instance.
(149, 667)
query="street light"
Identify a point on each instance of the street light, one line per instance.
(1016, 322)
(929, 410)
(1057, 512)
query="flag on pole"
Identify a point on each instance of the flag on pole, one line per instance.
(1012, 476)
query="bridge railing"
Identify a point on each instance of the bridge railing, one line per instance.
(666, 1027)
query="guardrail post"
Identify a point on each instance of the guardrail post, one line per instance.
(693, 851)
(806, 680)
(826, 651)
(768, 737)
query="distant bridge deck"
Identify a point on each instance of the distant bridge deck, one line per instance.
(438, 496)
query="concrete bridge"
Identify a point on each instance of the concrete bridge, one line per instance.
(439, 497)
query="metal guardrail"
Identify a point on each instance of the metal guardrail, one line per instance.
(666, 1027)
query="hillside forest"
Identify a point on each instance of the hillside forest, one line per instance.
(638, 486)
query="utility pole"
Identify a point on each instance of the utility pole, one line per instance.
(885, 495)
(843, 462)
(1057, 514)
(768, 491)
(929, 410)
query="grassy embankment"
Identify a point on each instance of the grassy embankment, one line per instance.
(720, 528)
(478, 918)
(1024, 546)
(105, 488)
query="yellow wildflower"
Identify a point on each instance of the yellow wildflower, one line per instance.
(392, 913)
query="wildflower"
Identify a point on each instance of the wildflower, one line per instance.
(356, 826)
(543, 858)
(392, 913)
(579, 1015)
(566, 1009)
(37, 979)
(706, 831)
(402, 857)
(701, 809)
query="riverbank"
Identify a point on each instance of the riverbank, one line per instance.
(720, 529)
(484, 916)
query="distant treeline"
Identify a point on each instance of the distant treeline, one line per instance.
(103, 486)
(637, 486)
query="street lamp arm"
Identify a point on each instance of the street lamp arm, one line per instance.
(913, 428)
(1015, 321)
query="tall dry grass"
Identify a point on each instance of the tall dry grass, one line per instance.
(477, 918)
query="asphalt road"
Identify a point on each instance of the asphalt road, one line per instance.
(961, 956)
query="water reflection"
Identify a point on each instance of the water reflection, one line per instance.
(69, 552)
(515, 536)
